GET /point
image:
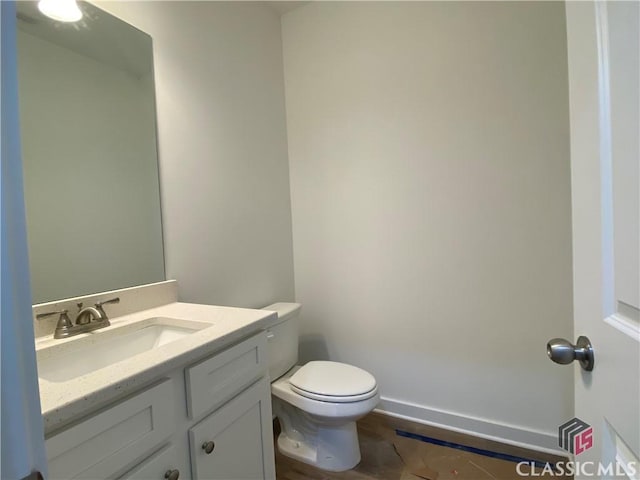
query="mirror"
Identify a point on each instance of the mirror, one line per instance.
(88, 127)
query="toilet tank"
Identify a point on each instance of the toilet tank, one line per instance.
(282, 338)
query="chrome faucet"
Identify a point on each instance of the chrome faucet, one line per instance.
(87, 315)
(87, 319)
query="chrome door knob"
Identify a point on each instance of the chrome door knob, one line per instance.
(564, 352)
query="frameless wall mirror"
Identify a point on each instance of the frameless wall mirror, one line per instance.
(88, 126)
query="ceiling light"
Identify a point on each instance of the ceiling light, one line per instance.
(61, 10)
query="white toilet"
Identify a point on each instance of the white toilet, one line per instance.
(317, 403)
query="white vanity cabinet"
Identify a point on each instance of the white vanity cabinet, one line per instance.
(207, 420)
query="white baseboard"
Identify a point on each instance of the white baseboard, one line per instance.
(546, 442)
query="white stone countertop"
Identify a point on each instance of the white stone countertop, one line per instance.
(63, 402)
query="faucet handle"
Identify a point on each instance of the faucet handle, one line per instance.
(64, 321)
(105, 302)
(49, 314)
(63, 325)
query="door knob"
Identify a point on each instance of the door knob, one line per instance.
(563, 352)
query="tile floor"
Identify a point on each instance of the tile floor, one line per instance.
(387, 456)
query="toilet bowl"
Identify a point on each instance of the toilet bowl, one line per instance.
(317, 403)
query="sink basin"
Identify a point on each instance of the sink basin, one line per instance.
(102, 348)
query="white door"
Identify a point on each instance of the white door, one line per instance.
(604, 89)
(22, 451)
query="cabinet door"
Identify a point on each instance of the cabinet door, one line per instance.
(169, 463)
(236, 441)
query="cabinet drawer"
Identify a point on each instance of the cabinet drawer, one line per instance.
(171, 459)
(107, 443)
(215, 380)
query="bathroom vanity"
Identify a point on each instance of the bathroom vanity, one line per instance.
(159, 389)
(174, 391)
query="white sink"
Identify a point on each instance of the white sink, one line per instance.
(102, 348)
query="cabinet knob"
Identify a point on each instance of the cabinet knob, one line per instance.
(208, 447)
(172, 474)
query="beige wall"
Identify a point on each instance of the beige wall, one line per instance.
(222, 146)
(429, 164)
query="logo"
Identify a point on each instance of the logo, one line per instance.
(582, 469)
(575, 436)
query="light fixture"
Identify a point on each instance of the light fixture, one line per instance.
(61, 10)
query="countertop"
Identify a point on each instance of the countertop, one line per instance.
(62, 402)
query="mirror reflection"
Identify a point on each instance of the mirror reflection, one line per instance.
(87, 118)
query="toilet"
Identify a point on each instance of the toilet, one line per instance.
(317, 403)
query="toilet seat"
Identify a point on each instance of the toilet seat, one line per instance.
(333, 382)
(335, 399)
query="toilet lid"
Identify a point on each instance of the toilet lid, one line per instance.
(322, 379)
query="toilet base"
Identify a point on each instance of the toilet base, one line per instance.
(332, 448)
(321, 434)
